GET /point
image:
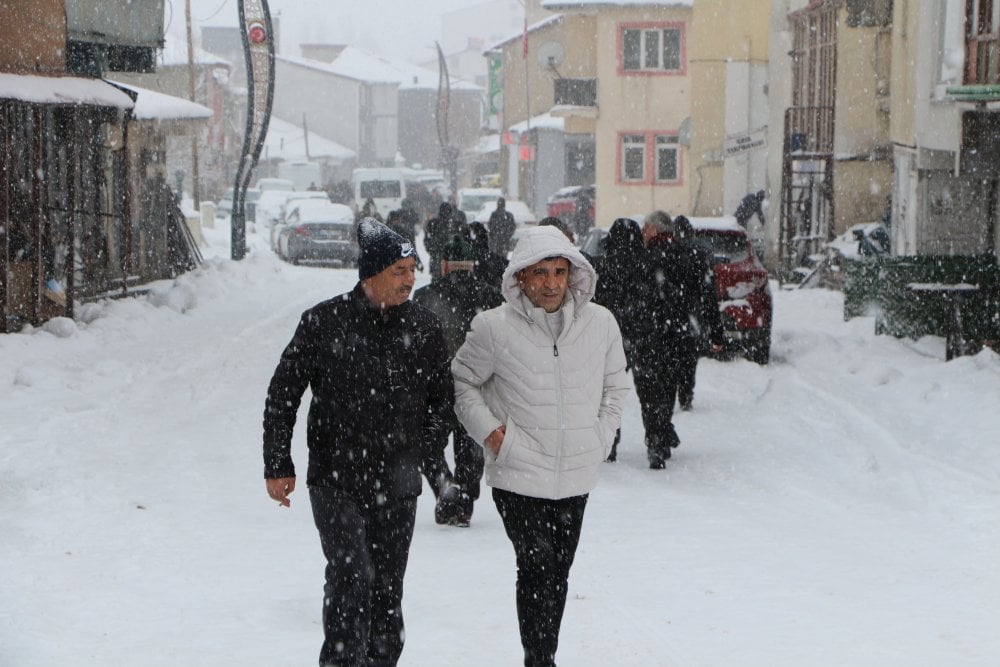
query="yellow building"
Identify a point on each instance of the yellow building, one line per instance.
(729, 105)
(682, 104)
(549, 106)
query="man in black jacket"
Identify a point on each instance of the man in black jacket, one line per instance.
(438, 233)
(502, 227)
(674, 301)
(456, 298)
(382, 405)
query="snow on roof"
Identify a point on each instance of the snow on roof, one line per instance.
(286, 141)
(154, 105)
(545, 121)
(175, 53)
(570, 4)
(62, 90)
(488, 144)
(360, 65)
(534, 27)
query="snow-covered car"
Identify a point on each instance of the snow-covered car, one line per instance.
(270, 206)
(306, 195)
(472, 200)
(224, 208)
(300, 207)
(317, 231)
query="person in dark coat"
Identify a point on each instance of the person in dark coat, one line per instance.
(369, 210)
(438, 233)
(501, 228)
(580, 220)
(673, 304)
(707, 324)
(382, 405)
(622, 288)
(749, 206)
(398, 223)
(459, 296)
(489, 266)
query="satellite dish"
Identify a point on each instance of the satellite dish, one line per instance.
(550, 55)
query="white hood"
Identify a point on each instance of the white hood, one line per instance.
(538, 243)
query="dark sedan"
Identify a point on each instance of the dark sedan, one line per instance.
(322, 234)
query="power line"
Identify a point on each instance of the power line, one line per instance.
(216, 12)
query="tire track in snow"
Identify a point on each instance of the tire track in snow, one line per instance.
(887, 457)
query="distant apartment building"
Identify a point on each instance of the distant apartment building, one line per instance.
(382, 109)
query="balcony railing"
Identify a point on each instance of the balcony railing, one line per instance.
(576, 92)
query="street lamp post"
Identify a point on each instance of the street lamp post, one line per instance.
(258, 50)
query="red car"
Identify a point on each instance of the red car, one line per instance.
(562, 204)
(742, 285)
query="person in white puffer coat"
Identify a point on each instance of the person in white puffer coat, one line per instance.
(540, 382)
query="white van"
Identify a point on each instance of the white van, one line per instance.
(384, 186)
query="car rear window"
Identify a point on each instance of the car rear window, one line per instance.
(727, 248)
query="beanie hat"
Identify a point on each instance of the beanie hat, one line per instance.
(458, 250)
(380, 248)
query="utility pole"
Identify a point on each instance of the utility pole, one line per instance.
(305, 135)
(195, 178)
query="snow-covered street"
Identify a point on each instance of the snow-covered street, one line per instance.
(838, 507)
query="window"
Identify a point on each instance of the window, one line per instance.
(654, 48)
(576, 92)
(633, 158)
(650, 158)
(666, 158)
(982, 35)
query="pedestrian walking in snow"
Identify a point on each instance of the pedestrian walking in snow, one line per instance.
(707, 324)
(489, 265)
(501, 227)
(673, 304)
(580, 220)
(541, 382)
(382, 405)
(622, 288)
(397, 222)
(438, 233)
(456, 298)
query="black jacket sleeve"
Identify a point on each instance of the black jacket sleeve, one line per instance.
(284, 394)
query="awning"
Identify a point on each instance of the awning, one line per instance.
(154, 105)
(545, 121)
(62, 90)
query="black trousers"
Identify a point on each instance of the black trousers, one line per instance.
(656, 381)
(687, 369)
(366, 549)
(469, 462)
(545, 534)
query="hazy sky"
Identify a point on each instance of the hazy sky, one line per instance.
(398, 28)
